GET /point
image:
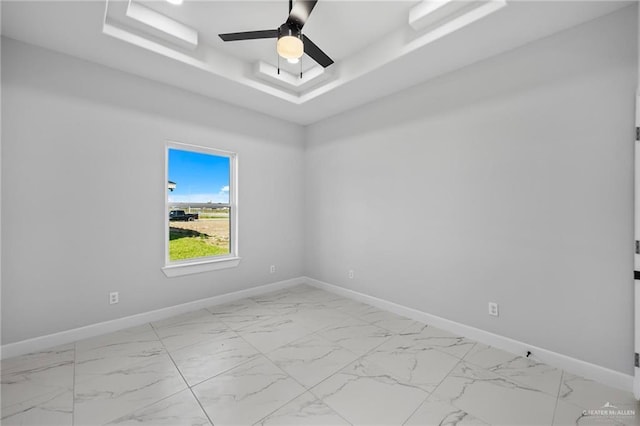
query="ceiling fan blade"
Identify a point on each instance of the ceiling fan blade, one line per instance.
(315, 53)
(249, 35)
(300, 12)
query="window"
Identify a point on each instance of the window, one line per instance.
(201, 209)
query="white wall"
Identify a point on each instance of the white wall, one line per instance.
(509, 181)
(83, 192)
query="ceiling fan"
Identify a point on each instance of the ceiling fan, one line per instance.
(291, 42)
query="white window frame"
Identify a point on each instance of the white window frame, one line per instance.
(210, 263)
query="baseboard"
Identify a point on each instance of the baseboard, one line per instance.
(576, 366)
(69, 336)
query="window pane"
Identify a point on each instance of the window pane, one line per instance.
(198, 199)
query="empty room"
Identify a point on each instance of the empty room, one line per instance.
(319, 212)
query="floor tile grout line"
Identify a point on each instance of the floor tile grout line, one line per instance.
(121, 331)
(450, 402)
(298, 396)
(180, 322)
(306, 389)
(201, 342)
(206, 414)
(285, 344)
(504, 376)
(169, 355)
(393, 334)
(463, 361)
(438, 348)
(140, 361)
(246, 361)
(582, 407)
(271, 361)
(259, 352)
(264, 355)
(359, 359)
(359, 317)
(249, 325)
(432, 392)
(283, 405)
(562, 373)
(53, 393)
(159, 400)
(332, 409)
(183, 378)
(73, 394)
(145, 406)
(208, 378)
(555, 408)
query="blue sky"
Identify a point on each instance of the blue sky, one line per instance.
(199, 178)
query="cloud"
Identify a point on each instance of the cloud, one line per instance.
(224, 188)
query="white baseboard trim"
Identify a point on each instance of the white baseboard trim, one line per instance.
(576, 366)
(69, 336)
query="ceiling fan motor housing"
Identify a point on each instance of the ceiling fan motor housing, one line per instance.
(290, 45)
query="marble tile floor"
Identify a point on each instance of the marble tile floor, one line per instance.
(299, 356)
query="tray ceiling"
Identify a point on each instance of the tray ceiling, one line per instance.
(379, 47)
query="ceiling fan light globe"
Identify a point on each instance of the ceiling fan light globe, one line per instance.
(290, 47)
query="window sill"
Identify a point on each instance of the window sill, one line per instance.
(180, 269)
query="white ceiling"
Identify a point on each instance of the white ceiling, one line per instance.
(345, 37)
(376, 50)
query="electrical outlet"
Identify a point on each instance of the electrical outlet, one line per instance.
(272, 269)
(114, 298)
(493, 309)
(350, 274)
